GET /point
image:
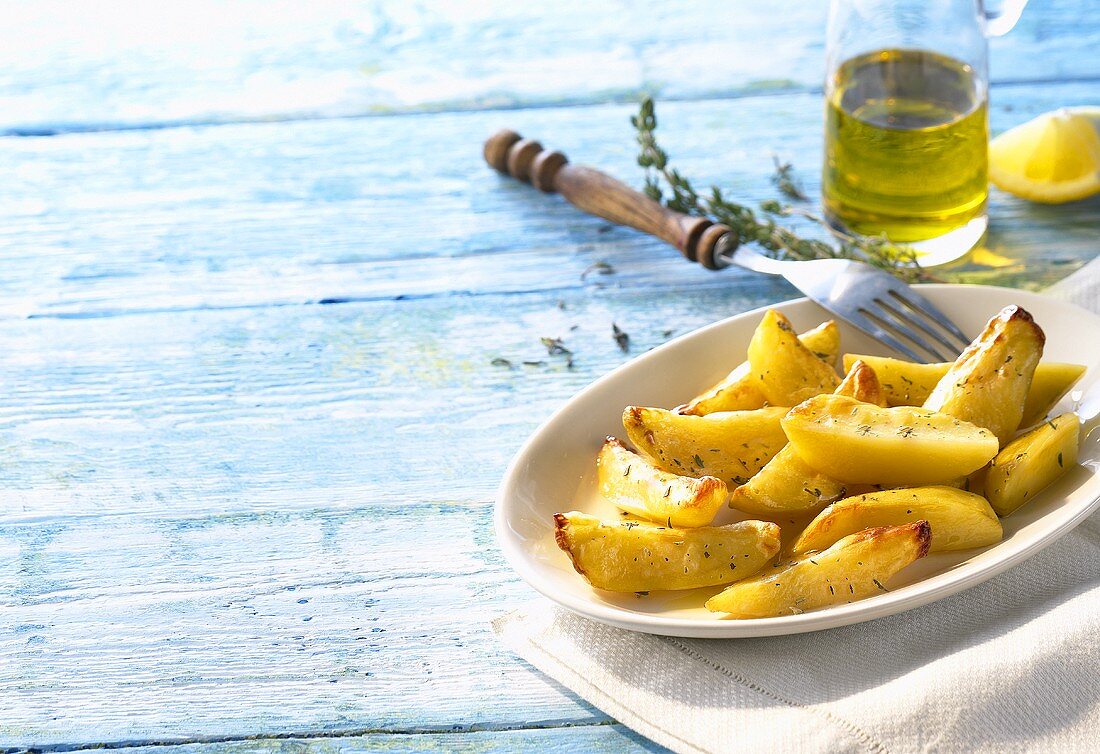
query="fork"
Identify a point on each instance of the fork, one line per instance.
(869, 299)
(874, 301)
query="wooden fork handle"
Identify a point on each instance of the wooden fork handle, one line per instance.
(599, 194)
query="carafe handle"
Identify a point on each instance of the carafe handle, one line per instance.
(999, 22)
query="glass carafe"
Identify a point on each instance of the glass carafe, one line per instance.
(906, 120)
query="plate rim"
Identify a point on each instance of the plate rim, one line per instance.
(936, 587)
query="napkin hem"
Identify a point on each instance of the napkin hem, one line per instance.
(526, 645)
(851, 728)
(547, 663)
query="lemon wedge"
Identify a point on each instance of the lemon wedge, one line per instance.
(1052, 159)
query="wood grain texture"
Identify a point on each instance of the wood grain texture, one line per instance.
(230, 514)
(243, 215)
(286, 408)
(594, 192)
(141, 65)
(590, 739)
(167, 628)
(176, 483)
(165, 470)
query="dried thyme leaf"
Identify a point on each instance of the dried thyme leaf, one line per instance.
(555, 347)
(600, 268)
(621, 337)
(501, 362)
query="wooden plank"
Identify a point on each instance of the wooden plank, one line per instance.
(75, 66)
(141, 451)
(592, 739)
(163, 628)
(176, 484)
(234, 216)
(286, 408)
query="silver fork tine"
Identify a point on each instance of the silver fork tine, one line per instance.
(899, 324)
(868, 326)
(858, 293)
(952, 350)
(917, 301)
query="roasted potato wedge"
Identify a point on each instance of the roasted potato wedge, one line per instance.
(905, 446)
(783, 368)
(1031, 462)
(857, 566)
(1051, 381)
(988, 383)
(959, 520)
(959, 483)
(635, 485)
(628, 556)
(862, 383)
(738, 391)
(972, 482)
(905, 383)
(730, 445)
(909, 384)
(787, 484)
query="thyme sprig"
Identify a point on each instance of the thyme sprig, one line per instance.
(665, 184)
(784, 179)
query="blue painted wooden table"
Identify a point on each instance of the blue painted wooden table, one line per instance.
(255, 275)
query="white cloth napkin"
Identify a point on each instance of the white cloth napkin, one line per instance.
(1012, 665)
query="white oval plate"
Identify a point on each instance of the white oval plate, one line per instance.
(555, 472)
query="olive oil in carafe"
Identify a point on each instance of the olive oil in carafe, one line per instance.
(906, 140)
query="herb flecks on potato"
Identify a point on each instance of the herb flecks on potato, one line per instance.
(632, 483)
(856, 567)
(738, 391)
(909, 384)
(988, 383)
(859, 443)
(1052, 380)
(959, 520)
(730, 445)
(630, 556)
(1031, 462)
(862, 383)
(892, 459)
(785, 370)
(787, 484)
(906, 383)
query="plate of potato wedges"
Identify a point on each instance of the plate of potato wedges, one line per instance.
(781, 472)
